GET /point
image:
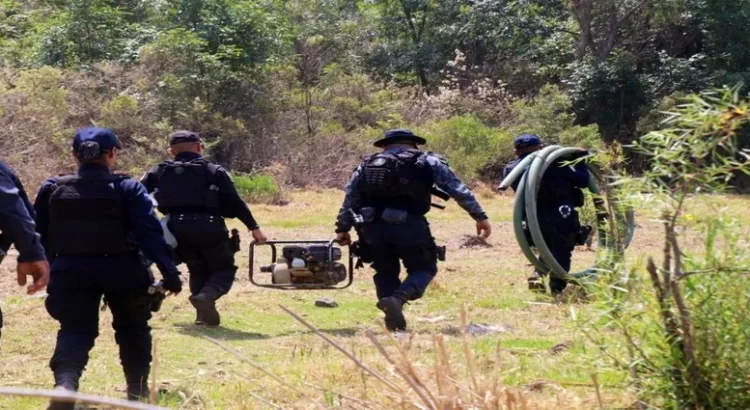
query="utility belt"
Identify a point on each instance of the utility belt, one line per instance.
(209, 217)
(369, 215)
(199, 229)
(130, 253)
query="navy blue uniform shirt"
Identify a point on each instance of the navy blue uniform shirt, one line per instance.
(230, 203)
(17, 217)
(141, 221)
(442, 176)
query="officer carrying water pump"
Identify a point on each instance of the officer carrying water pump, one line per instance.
(197, 195)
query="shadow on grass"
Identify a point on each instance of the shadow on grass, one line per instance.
(219, 332)
(342, 332)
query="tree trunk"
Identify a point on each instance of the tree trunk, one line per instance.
(582, 14)
(608, 44)
(416, 36)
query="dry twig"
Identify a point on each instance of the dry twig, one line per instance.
(69, 396)
(361, 365)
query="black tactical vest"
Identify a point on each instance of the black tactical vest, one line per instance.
(187, 187)
(401, 181)
(86, 217)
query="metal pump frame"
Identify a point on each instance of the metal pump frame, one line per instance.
(301, 286)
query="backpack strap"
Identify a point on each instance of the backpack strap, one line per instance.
(62, 180)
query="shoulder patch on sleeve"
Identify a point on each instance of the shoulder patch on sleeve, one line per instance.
(437, 158)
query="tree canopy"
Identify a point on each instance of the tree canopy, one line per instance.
(267, 78)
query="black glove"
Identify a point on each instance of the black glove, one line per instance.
(172, 283)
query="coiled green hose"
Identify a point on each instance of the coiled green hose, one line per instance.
(529, 173)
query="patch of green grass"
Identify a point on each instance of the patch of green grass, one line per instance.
(258, 188)
(508, 302)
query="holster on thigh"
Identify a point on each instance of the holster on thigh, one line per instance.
(421, 257)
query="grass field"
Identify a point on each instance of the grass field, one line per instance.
(540, 351)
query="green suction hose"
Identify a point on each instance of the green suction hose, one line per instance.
(529, 173)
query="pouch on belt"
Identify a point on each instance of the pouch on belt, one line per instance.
(394, 216)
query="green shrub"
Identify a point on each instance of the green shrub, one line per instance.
(611, 94)
(258, 188)
(550, 116)
(468, 144)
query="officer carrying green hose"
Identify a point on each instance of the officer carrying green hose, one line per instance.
(548, 182)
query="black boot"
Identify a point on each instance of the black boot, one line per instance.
(137, 387)
(557, 286)
(198, 319)
(205, 305)
(64, 382)
(138, 391)
(393, 307)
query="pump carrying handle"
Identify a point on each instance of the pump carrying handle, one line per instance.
(301, 286)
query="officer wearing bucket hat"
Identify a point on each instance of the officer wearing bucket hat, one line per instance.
(559, 194)
(197, 195)
(389, 195)
(92, 225)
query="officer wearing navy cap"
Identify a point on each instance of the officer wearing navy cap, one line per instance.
(18, 228)
(197, 195)
(391, 193)
(559, 194)
(93, 225)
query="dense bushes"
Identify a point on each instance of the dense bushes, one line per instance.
(314, 134)
(307, 83)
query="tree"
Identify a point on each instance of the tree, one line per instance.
(84, 31)
(601, 24)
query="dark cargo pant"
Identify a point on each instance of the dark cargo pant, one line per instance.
(205, 247)
(391, 243)
(75, 290)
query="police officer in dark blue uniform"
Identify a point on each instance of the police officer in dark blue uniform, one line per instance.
(388, 196)
(18, 228)
(93, 224)
(558, 197)
(197, 195)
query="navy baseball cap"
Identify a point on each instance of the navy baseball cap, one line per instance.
(527, 140)
(180, 137)
(91, 142)
(399, 135)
